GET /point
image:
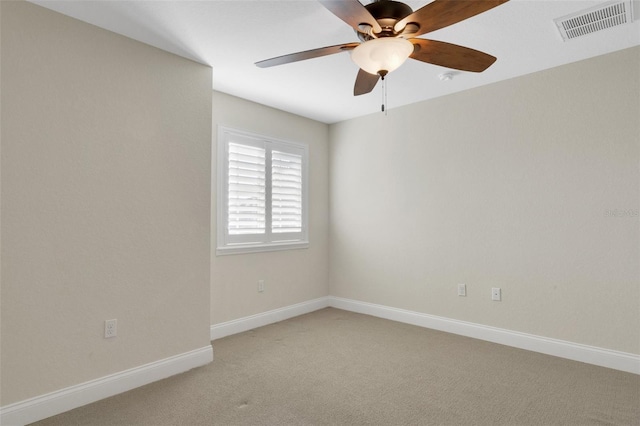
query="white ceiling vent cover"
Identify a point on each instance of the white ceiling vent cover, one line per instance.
(594, 19)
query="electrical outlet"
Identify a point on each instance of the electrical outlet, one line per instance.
(462, 289)
(260, 286)
(496, 294)
(110, 328)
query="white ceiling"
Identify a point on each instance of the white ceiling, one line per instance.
(231, 36)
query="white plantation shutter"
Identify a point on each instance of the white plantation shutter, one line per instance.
(262, 193)
(247, 190)
(286, 192)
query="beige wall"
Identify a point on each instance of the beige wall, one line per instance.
(290, 276)
(502, 186)
(105, 202)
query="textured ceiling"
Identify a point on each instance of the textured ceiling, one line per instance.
(231, 36)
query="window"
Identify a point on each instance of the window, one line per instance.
(262, 193)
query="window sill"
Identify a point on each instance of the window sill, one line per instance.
(259, 248)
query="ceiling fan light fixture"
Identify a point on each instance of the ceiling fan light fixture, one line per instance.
(382, 55)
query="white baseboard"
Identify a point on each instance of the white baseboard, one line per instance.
(41, 407)
(254, 321)
(589, 354)
(57, 402)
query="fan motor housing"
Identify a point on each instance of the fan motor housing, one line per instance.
(387, 13)
(389, 9)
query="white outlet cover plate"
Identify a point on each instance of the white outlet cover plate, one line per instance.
(496, 294)
(110, 328)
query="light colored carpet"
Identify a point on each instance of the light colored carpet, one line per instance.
(340, 368)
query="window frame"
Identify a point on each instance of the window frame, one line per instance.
(270, 241)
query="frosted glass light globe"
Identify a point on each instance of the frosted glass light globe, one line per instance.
(382, 54)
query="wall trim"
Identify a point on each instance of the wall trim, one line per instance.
(616, 360)
(589, 354)
(41, 407)
(259, 320)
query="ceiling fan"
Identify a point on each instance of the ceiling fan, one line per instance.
(388, 32)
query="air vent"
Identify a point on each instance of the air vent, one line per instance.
(595, 19)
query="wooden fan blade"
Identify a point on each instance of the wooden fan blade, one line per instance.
(307, 54)
(442, 13)
(450, 55)
(365, 83)
(352, 12)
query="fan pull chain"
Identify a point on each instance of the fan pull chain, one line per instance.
(386, 104)
(384, 96)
